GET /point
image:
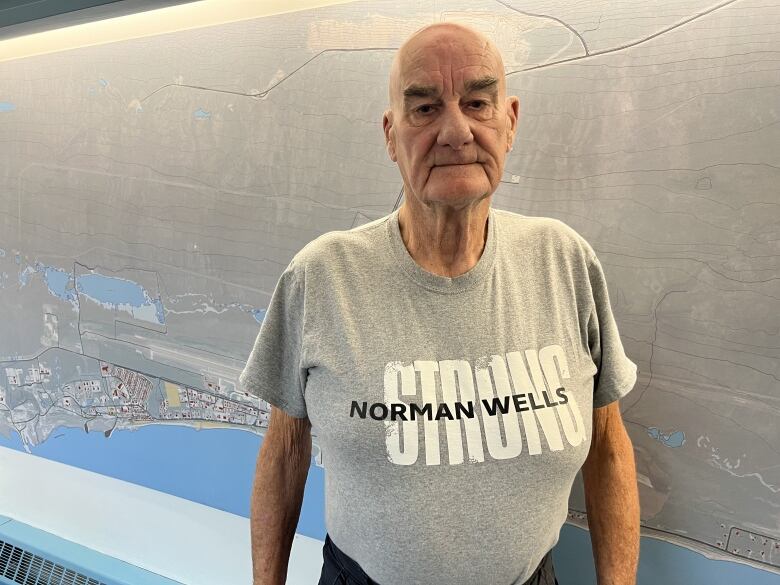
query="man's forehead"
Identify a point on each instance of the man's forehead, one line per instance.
(444, 50)
(428, 56)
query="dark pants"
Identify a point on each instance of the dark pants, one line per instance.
(339, 569)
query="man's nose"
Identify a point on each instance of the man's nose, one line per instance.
(454, 129)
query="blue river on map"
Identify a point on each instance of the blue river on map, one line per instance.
(214, 467)
(108, 290)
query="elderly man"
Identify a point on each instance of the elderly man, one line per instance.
(458, 363)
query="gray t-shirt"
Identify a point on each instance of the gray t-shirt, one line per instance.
(453, 413)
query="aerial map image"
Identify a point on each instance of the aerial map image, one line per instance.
(154, 189)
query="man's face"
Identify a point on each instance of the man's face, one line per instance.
(450, 124)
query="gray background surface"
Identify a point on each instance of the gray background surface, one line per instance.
(196, 164)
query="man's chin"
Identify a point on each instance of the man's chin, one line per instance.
(455, 195)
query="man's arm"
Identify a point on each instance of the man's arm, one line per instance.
(612, 499)
(277, 495)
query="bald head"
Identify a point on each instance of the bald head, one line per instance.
(446, 36)
(450, 123)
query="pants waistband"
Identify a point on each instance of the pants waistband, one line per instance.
(359, 575)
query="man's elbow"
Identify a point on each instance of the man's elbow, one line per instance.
(610, 441)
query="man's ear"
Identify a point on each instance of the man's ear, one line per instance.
(387, 125)
(512, 114)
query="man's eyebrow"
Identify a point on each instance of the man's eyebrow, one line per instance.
(416, 90)
(488, 82)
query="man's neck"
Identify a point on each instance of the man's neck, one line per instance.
(443, 240)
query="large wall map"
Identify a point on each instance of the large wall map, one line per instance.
(152, 191)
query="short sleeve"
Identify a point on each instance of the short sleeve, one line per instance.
(273, 371)
(616, 374)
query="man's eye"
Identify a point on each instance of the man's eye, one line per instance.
(481, 104)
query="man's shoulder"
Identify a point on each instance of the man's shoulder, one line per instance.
(343, 245)
(543, 230)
